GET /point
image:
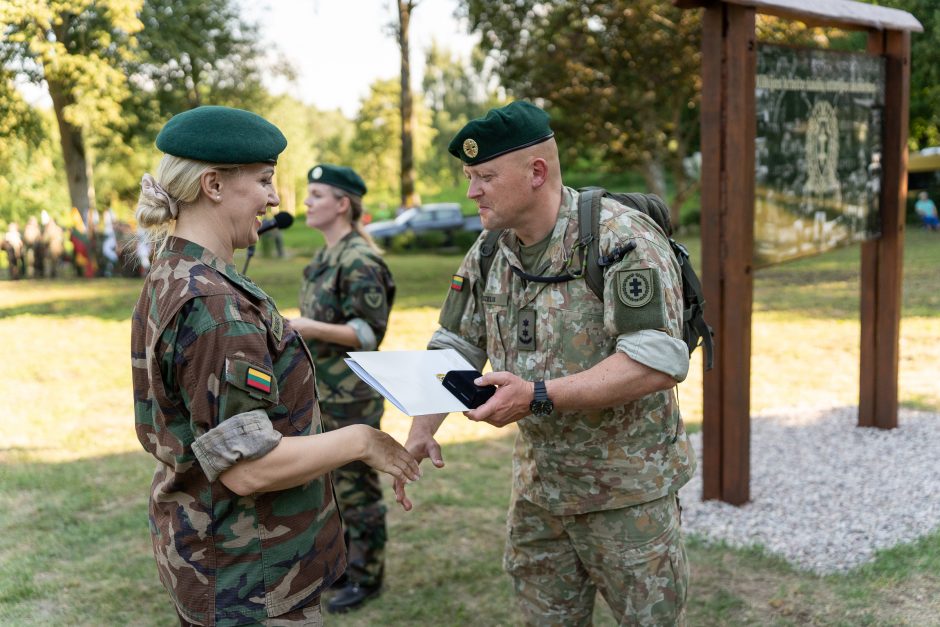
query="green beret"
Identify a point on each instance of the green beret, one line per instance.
(338, 176)
(221, 135)
(519, 124)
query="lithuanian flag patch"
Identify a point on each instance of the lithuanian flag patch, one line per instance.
(258, 380)
(456, 282)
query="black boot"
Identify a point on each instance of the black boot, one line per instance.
(340, 583)
(352, 596)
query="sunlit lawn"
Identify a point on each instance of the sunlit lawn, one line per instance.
(74, 544)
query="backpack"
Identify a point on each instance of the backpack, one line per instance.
(695, 331)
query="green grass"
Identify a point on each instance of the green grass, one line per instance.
(74, 543)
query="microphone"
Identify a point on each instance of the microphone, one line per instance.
(281, 220)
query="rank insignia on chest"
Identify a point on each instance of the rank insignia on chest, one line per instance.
(277, 326)
(258, 379)
(635, 287)
(456, 283)
(526, 332)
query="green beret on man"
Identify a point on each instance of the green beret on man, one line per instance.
(221, 135)
(518, 125)
(339, 176)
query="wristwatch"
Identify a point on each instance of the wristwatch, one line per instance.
(541, 405)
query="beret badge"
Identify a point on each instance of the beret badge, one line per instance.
(470, 148)
(317, 172)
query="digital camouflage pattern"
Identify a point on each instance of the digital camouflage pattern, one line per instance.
(344, 282)
(587, 460)
(583, 481)
(359, 494)
(225, 559)
(634, 555)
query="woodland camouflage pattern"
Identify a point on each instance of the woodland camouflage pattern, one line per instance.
(347, 281)
(225, 559)
(581, 461)
(359, 494)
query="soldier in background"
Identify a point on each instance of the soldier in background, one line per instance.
(345, 300)
(601, 451)
(53, 245)
(13, 246)
(32, 248)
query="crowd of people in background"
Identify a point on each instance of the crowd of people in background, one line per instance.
(42, 248)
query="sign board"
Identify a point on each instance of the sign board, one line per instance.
(817, 151)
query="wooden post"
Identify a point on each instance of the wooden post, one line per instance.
(728, 127)
(882, 259)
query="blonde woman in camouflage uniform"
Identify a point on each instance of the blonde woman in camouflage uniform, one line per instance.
(345, 299)
(243, 518)
(601, 450)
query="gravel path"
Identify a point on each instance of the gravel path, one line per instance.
(825, 494)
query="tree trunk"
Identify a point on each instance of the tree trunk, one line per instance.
(407, 114)
(77, 167)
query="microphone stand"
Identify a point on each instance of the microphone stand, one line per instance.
(249, 253)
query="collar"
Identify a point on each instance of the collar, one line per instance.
(183, 247)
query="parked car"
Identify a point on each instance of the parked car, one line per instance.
(441, 216)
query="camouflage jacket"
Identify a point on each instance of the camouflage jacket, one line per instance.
(207, 344)
(348, 281)
(580, 461)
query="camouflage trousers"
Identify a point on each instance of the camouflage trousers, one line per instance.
(309, 616)
(359, 496)
(634, 556)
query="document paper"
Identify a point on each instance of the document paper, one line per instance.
(411, 380)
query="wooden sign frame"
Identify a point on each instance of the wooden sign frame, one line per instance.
(728, 127)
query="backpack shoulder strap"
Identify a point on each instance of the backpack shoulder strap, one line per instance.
(487, 250)
(589, 216)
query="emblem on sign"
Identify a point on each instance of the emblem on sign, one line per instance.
(470, 148)
(635, 287)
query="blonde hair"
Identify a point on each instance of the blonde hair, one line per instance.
(355, 216)
(179, 180)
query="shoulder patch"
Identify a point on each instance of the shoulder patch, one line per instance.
(635, 287)
(374, 297)
(456, 282)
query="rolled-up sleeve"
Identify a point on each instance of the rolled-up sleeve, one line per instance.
(657, 350)
(244, 436)
(364, 333)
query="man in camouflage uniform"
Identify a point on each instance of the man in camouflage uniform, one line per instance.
(601, 450)
(348, 291)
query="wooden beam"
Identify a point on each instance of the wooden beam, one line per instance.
(846, 14)
(711, 141)
(737, 249)
(882, 259)
(728, 129)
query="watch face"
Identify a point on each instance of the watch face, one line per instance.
(541, 408)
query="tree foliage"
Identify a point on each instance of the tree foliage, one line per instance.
(455, 92)
(77, 48)
(925, 72)
(192, 53)
(621, 79)
(375, 149)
